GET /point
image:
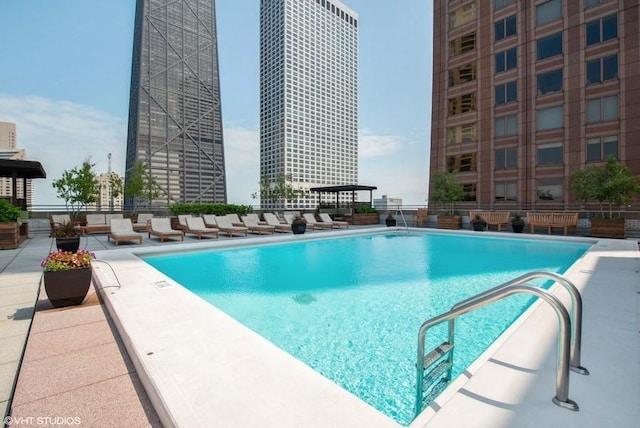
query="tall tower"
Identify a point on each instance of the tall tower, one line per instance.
(526, 93)
(9, 150)
(308, 95)
(175, 119)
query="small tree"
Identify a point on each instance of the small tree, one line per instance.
(274, 192)
(141, 184)
(78, 187)
(446, 190)
(611, 185)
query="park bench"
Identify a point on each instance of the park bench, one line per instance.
(495, 218)
(551, 220)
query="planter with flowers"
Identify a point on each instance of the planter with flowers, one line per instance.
(67, 277)
(67, 237)
(298, 225)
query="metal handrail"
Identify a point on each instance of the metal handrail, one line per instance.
(564, 341)
(575, 310)
(404, 220)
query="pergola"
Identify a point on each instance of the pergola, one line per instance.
(16, 169)
(353, 188)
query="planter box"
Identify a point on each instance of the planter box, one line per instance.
(608, 228)
(449, 222)
(67, 287)
(367, 218)
(9, 236)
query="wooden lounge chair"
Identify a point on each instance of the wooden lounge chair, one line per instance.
(224, 225)
(120, 229)
(272, 220)
(182, 221)
(161, 227)
(196, 226)
(325, 218)
(290, 217)
(142, 223)
(253, 226)
(311, 219)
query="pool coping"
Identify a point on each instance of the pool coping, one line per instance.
(198, 364)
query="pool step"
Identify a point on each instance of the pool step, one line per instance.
(436, 367)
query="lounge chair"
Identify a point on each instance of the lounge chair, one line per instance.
(235, 219)
(256, 217)
(182, 221)
(311, 219)
(290, 217)
(196, 226)
(325, 218)
(120, 229)
(142, 223)
(161, 227)
(224, 224)
(253, 226)
(272, 220)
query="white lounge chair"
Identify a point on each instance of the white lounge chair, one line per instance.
(325, 218)
(311, 219)
(272, 220)
(182, 221)
(142, 222)
(224, 224)
(120, 229)
(161, 227)
(253, 226)
(196, 226)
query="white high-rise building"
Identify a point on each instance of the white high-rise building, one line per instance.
(9, 150)
(308, 95)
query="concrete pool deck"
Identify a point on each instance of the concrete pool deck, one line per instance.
(238, 379)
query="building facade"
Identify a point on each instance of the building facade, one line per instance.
(175, 119)
(107, 201)
(526, 93)
(9, 150)
(387, 204)
(308, 96)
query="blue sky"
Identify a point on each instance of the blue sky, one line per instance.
(65, 80)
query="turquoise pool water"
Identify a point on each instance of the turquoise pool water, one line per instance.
(351, 307)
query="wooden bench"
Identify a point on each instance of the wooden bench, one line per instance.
(551, 220)
(495, 218)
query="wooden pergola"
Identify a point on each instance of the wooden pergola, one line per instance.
(353, 188)
(20, 169)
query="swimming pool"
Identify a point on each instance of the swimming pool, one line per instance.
(350, 308)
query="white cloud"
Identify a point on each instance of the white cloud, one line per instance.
(371, 145)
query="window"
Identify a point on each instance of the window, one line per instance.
(499, 4)
(507, 158)
(591, 3)
(550, 82)
(506, 125)
(601, 30)
(462, 104)
(549, 118)
(468, 191)
(548, 11)
(506, 60)
(462, 133)
(550, 154)
(505, 28)
(462, 74)
(550, 46)
(506, 191)
(463, 44)
(599, 149)
(549, 189)
(506, 92)
(462, 15)
(602, 69)
(462, 163)
(602, 109)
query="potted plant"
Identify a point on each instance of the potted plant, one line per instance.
(67, 237)
(517, 224)
(390, 221)
(67, 277)
(478, 224)
(447, 191)
(9, 225)
(298, 225)
(78, 187)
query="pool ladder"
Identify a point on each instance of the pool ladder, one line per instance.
(434, 368)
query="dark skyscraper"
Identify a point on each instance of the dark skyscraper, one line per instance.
(175, 120)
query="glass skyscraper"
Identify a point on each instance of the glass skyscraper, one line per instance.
(308, 95)
(175, 120)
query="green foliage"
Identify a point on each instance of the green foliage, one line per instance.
(8, 213)
(65, 260)
(275, 191)
(78, 187)
(141, 185)
(115, 184)
(365, 209)
(208, 208)
(611, 184)
(67, 230)
(446, 190)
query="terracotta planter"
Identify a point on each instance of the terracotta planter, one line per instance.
(70, 244)
(67, 287)
(298, 228)
(608, 228)
(365, 218)
(449, 222)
